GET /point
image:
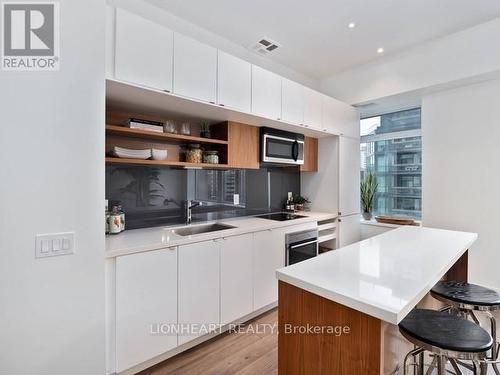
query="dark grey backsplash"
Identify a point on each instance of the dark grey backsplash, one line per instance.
(155, 196)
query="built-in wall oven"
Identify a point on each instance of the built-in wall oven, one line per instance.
(301, 246)
(281, 147)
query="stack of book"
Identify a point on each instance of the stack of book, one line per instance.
(136, 123)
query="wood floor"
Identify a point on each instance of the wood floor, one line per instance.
(249, 353)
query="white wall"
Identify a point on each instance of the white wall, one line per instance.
(468, 53)
(52, 180)
(187, 28)
(460, 134)
(322, 187)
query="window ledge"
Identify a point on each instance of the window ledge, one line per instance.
(377, 224)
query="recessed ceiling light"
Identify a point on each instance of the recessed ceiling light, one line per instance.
(380, 50)
(351, 25)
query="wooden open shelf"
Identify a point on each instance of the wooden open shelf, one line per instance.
(145, 134)
(163, 163)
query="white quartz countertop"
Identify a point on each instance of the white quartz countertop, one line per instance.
(384, 276)
(139, 240)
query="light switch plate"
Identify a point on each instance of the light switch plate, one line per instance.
(53, 244)
(236, 199)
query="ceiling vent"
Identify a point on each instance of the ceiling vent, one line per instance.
(265, 45)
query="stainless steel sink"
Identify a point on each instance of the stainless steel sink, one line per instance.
(199, 229)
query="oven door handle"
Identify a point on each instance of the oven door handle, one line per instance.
(303, 244)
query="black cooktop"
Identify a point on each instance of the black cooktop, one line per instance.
(282, 216)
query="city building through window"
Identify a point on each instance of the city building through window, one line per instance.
(391, 149)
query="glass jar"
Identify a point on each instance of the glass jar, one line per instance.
(122, 218)
(211, 157)
(115, 225)
(186, 128)
(169, 127)
(194, 154)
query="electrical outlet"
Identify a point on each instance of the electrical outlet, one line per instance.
(236, 199)
(53, 244)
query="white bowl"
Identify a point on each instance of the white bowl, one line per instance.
(159, 154)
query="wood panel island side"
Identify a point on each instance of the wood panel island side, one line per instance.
(338, 312)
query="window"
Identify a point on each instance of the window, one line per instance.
(391, 149)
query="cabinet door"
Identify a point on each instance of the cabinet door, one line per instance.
(310, 155)
(340, 118)
(329, 121)
(292, 102)
(349, 230)
(348, 120)
(146, 295)
(236, 288)
(243, 148)
(349, 176)
(268, 256)
(266, 93)
(198, 288)
(144, 51)
(313, 108)
(234, 82)
(195, 69)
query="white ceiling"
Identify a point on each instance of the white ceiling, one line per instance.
(314, 34)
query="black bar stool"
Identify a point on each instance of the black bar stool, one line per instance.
(465, 298)
(447, 336)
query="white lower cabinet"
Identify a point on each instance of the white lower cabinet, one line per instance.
(236, 286)
(268, 256)
(146, 297)
(166, 298)
(199, 282)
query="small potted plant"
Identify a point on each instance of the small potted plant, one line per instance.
(368, 189)
(205, 130)
(300, 202)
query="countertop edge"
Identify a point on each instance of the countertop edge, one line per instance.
(265, 225)
(374, 311)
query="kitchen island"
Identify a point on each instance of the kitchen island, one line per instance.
(338, 312)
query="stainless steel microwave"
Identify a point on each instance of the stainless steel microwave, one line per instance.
(281, 147)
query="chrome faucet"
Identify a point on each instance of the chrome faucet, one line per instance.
(189, 206)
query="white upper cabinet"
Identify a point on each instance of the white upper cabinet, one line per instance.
(347, 119)
(199, 283)
(143, 51)
(340, 118)
(195, 69)
(292, 102)
(266, 93)
(268, 256)
(234, 82)
(329, 120)
(236, 287)
(313, 106)
(146, 294)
